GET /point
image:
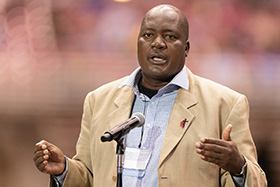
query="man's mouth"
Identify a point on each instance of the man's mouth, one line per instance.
(158, 59)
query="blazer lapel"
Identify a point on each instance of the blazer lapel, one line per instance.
(123, 103)
(174, 132)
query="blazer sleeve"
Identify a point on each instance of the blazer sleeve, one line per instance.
(241, 135)
(79, 168)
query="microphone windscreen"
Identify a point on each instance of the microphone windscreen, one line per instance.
(140, 117)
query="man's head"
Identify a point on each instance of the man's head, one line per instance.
(162, 45)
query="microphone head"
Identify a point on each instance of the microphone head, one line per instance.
(106, 137)
(140, 117)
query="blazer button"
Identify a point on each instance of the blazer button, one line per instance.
(164, 177)
(114, 177)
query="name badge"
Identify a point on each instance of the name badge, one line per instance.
(136, 158)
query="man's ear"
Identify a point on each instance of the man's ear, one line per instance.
(187, 48)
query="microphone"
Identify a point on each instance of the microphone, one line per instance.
(120, 130)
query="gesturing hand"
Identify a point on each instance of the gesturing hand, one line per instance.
(224, 152)
(48, 158)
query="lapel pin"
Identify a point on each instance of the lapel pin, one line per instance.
(182, 124)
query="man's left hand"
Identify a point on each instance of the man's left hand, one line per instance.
(224, 152)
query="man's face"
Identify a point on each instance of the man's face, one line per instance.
(162, 45)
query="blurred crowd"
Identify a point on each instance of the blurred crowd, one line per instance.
(53, 52)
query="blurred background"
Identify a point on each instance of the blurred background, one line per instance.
(52, 53)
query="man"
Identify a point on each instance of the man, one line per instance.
(196, 131)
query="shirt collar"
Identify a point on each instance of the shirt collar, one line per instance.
(181, 80)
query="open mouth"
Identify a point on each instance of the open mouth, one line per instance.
(158, 59)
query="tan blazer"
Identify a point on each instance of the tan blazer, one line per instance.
(208, 108)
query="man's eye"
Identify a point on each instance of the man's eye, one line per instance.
(147, 35)
(171, 37)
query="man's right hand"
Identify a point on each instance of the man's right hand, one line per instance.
(48, 158)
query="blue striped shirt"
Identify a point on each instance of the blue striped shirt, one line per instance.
(157, 111)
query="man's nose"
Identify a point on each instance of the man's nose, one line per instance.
(158, 43)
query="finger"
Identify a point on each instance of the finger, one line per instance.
(39, 160)
(214, 141)
(212, 148)
(211, 154)
(49, 146)
(198, 145)
(40, 145)
(41, 153)
(211, 159)
(226, 133)
(41, 167)
(37, 155)
(41, 156)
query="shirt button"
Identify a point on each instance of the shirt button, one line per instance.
(148, 125)
(153, 103)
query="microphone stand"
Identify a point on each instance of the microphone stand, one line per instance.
(117, 133)
(120, 153)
